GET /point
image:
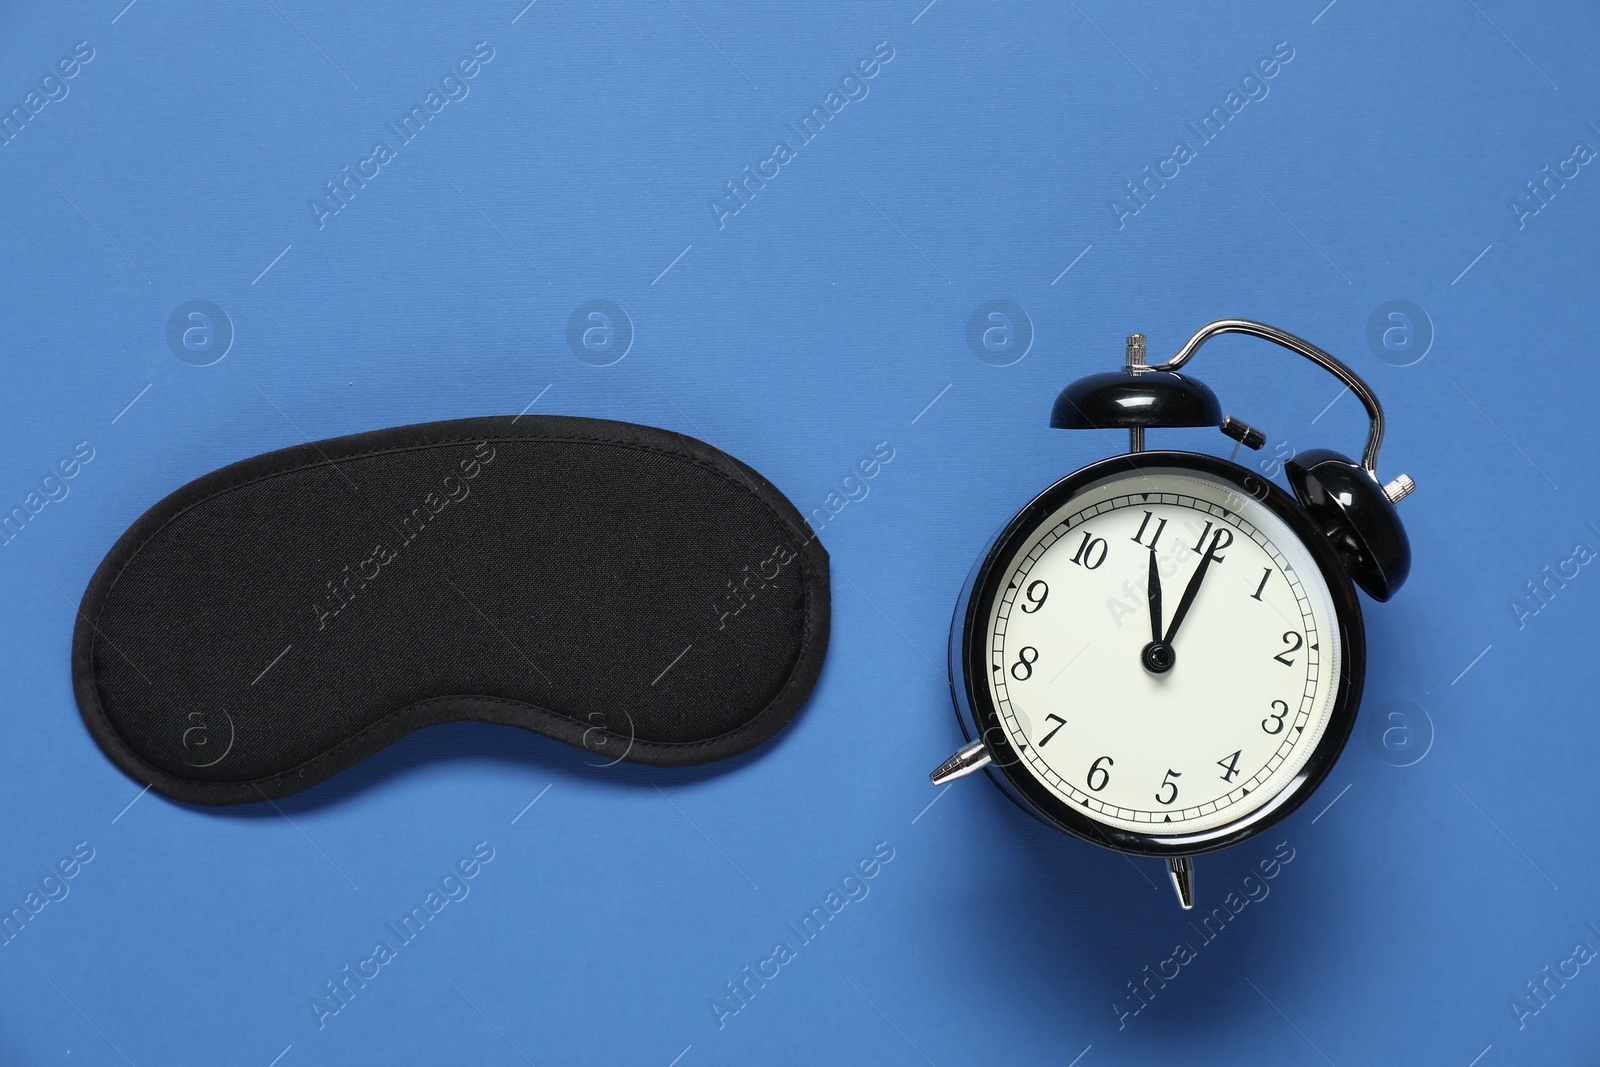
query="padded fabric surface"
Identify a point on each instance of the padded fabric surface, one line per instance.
(626, 589)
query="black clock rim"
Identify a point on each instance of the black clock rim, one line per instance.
(1031, 794)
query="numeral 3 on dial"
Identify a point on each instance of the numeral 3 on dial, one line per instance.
(1274, 723)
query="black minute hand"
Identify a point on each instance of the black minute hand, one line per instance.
(1194, 582)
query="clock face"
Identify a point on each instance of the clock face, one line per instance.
(1162, 652)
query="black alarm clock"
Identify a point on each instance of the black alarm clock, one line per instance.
(1163, 653)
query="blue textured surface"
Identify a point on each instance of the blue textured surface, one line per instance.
(828, 314)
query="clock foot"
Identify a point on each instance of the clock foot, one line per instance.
(973, 757)
(1182, 872)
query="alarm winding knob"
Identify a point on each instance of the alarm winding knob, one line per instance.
(1398, 489)
(1136, 354)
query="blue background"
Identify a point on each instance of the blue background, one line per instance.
(830, 313)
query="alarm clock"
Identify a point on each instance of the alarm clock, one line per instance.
(1163, 653)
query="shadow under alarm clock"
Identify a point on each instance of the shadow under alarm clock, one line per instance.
(1223, 715)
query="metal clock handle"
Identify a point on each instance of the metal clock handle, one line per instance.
(1369, 457)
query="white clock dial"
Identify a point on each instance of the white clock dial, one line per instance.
(1254, 660)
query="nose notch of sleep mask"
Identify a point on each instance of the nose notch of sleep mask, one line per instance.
(624, 589)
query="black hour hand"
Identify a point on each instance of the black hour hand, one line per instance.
(1157, 657)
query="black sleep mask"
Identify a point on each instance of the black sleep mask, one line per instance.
(628, 590)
